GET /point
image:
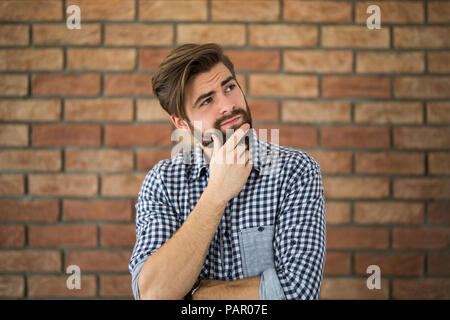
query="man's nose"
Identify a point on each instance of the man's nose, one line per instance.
(226, 105)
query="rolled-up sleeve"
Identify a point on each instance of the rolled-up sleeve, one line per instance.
(300, 235)
(156, 222)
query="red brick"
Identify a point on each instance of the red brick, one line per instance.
(315, 11)
(298, 136)
(30, 109)
(119, 10)
(30, 261)
(316, 111)
(422, 138)
(421, 37)
(142, 135)
(355, 187)
(388, 162)
(98, 109)
(64, 84)
(223, 34)
(13, 85)
(101, 59)
(125, 185)
(438, 263)
(29, 210)
(421, 238)
(438, 112)
(390, 62)
(388, 212)
(62, 236)
(59, 34)
(14, 35)
(12, 236)
(36, 10)
(139, 34)
(128, 84)
(421, 289)
(56, 286)
(33, 160)
(66, 135)
(11, 185)
(388, 112)
(357, 238)
(151, 110)
(118, 235)
(355, 137)
(422, 87)
(97, 210)
(439, 62)
(99, 160)
(147, 159)
(250, 10)
(13, 135)
(354, 37)
(115, 286)
(421, 188)
(99, 260)
(281, 35)
(157, 10)
(63, 184)
(438, 11)
(12, 286)
(336, 61)
(276, 85)
(392, 11)
(150, 59)
(337, 212)
(352, 289)
(439, 163)
(353, 87)
(254, 60)
(337, 263)
(31, 59)
(333, 161)
(439, 213)
(263, 110)
(391, 264)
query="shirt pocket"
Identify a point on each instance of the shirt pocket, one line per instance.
(256, 246)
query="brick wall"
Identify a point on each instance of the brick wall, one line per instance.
(80, 128)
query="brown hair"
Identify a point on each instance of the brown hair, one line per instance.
(178, 67)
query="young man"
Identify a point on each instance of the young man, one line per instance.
(214, 223)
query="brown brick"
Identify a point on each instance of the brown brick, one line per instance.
(280, 35)
(422, 87)
(139, 35)
(115, 286)
(98, 10)
(420, 238)
(30, 110)
(98, 110)
(150, 59)
(283, 85)
(157, 10)
(29, 210)
(12, 286)
(352, 87)
(357, 238)
(389, 212)
(56, 286)
(13, 135)
(62, 236)
(13, 85)
(118, 235)
(421, 188)
(438, 11)
(151, 110)
(14, 35)
(352, 289)
(315, 111)
(390, 62)
(33, 160)
(333, 161)
(392, 11)
(97, 210)
(312, 11)
(421, 37)
(59, 34)
(223, 34)
(99, 260)
(254, 60)
(355, 187)
(11, 185)
(355, 137)
(388, 112)
(99, 160)
(439, 263)
(142, 135)
(337, 212)
(147, 159)
(438, 112)
(439, 163)
(30, 261)
(101, 59)
(31, 59)
(337, 263)
(354, 37)
(124, 185)
(263, 110)
(251, 10)
(12, 236)
(63, 184)
(336, 61)
(36, 10)
(66, 135)
(298, 136)
(391, 264)
(439, 62)
(439, 213)
(128, 84)
(422, 138)
(65, 84)
(421, 289)
(389, 162)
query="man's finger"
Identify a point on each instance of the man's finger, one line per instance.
(232, 142)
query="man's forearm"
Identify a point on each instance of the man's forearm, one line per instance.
(243, 289)
(172, 270)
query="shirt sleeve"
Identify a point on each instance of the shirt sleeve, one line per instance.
(300, 235)
(156, 222)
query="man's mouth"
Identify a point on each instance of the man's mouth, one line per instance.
(231, 121)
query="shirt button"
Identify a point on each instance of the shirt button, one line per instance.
(261, 229)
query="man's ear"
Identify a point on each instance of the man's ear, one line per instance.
(179, 123)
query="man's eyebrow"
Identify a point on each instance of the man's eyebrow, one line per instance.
(202, 96)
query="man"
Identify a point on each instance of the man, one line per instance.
(213, 223)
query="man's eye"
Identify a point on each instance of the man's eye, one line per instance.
(231, 87)
(205, 102)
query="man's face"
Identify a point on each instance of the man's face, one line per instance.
(214, 100)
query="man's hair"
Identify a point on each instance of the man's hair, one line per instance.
(178, 67)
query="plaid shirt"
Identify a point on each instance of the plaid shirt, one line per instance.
(274, 227)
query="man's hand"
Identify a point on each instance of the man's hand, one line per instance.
(243, 289)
